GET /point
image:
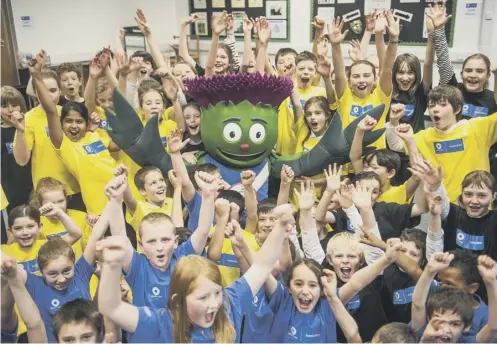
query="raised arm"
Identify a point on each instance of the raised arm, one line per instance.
(488, 271)
(177, 213)
(9, 321)
(175, 146)
(332, 186)
(247, 42)
(368, 32)
(95, 72)
(74, 233)
(366, 124)
(128, 197)
(379, 39)
(21, 152)
(264, 36)
(434, 237)
(183, 41)
(54, 125)
(324, 69)
(437, 263)
(172, 89)
(230, 41)
(112, 250)
(222, 219)
(336, 38)
(429, 57)
(385, 80)
(250, 195)
(208, 184)
(218, 24)
(287, 176)
(319, 24)
(344, 319)
(144, 26)
(270, 250)
(298, 111)
(97, 233)
(25, 305)
(439, 18)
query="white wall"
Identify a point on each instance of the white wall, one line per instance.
(73, 30)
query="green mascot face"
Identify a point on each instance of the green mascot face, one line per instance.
(239, 135)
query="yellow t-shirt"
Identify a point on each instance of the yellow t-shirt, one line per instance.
(287, 139)
(44, 159)
(52, 227)
(145, 208)
(396, 194)
(90, 162)
(228, 264)
(463, 150)
(4, 202)
(350, 107)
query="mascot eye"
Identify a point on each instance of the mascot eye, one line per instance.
(257, 133)
(232, 132)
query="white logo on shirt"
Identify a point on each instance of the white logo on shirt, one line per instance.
(256, 299)
(460, 236)
(155, 291)
(397, 295)
(293, 331)
(55, 303)
(439, 146)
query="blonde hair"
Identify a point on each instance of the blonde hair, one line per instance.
(183, 282)
(102, 85)
(345, 239)
(155, 218)
(10, 95)
(44, 185)
(53, 249)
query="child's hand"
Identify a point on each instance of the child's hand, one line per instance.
(322, 47)
(255, 23)
(135, 64)
(368, 123)
(329, 282)
(192, 18)
(372, 240)
(219, 23)
(123, 63)
(429, 23)
(333, 175)
(247, 177)
(405, 132)
(345, 195)
(222, 207)
(8, 267)
(380, 23)
(425, 171)
(284, 214)
(36, 64)
(394, 248)
(121, 169)
(207, 183)
(17, 120)
(287, 175)
(94, 122)
(355, 50)
(174, 179)
(49, 210)
(488, 269)
(264, 31)
(435, 204)
(371, 21)
(95, 69)
(234, 211)
(91, 219)
(438, 15)
(247, 25)
(324, 66)
(141, 20)
(335, 31)
(318, 23)
(174, 142)
(112, 250)
(230, 24)
(103, 58)
(170, 85)
(434, 330)
(361, 196)
(116, 187)
(397, 111)
(393, 26)
(234, 233)
(306, 195)
(438, 262)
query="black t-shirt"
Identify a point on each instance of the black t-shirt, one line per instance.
(397, 291)
(63, 100)
(200, 70)
(16, 180)
(476, 104)
(367, 310)
(415, 108)
(472, 234)
(393, 218)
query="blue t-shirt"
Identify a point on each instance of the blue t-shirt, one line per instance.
(259, 319)
(465, 338)
(156, 325)
(49, 300)
(8, 337)
(149, 285)
(194, 212)
(291, 326)
(480, 318)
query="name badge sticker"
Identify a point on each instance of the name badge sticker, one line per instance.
(403, 296)
(94, 148)
(450, 146)
(10, 147)
(473, 111)
(470, 242)
(355, 110)
(409, 110)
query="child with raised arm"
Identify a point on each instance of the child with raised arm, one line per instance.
(25, 305)
(452, 308)
(196, 293)
(84, 154)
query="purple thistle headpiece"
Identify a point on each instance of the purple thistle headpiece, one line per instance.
(255, 88)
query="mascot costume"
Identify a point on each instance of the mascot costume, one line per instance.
(239, 129)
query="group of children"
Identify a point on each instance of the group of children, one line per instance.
(95, 248)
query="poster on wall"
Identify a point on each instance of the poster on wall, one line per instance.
(218, 3)
(278, 29)
(238, 3)
(376, 5)
(276, 10)
(327, 13)
(238, 22)
(200, 4)
(255, 3)
(201, 24)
